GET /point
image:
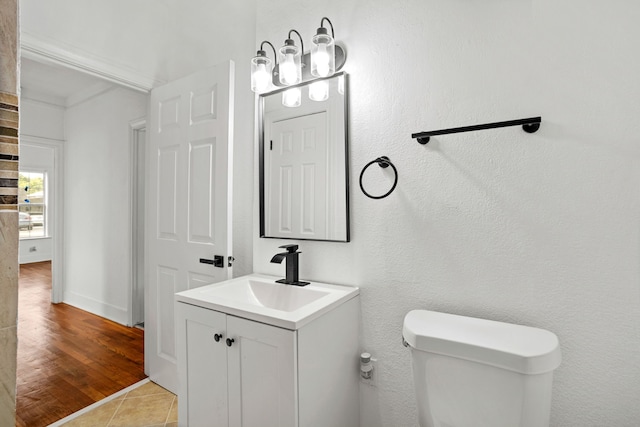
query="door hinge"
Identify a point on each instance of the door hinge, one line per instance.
(271, 145)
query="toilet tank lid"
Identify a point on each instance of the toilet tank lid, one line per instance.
(514, 347)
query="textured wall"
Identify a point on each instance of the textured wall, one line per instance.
(8, 207)
(540, 229)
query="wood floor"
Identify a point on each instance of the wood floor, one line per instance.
(67, 358)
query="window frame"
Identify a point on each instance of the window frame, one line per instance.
(44, 204)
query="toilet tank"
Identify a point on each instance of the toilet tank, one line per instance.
(471, 372)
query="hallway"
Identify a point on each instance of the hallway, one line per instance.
(67, 358)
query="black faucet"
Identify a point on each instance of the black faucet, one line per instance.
(291, 256)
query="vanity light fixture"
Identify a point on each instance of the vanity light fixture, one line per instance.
(261, 69)
(323, 53)
(291, 66)
(289, 61)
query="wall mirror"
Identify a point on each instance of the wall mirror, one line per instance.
(304, 168)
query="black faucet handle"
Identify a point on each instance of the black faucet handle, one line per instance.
(290, 248)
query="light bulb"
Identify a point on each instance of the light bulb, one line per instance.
(322, 60)
(261, 78)
(292, 97)
(323, 54)
(288, 70)
(319, 91)
(260, 72)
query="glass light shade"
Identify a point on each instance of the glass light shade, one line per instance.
(323, 54)
(319, 91)
(290, 69)
(292, 97)
(261, 67)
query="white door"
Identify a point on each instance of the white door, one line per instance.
(189, 215)
(296, 158)
(262, 375)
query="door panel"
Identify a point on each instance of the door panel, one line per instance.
(196, 280)
(203, 104)
(167, 186)
(308, 184)
(167, 285)
(189, 216)
(201, 191)
(169, 113)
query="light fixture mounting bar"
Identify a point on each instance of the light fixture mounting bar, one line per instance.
(529, 125)
(341, 58)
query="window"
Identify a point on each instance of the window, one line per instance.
(32, 204)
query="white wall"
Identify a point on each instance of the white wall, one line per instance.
(97, 176)
(41, 119)
(541, 229)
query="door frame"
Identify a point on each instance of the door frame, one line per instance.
(138, 168)
(56, 211)
(41, 50)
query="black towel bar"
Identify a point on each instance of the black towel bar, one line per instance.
(529, 125)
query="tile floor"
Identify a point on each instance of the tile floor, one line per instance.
(147, 405)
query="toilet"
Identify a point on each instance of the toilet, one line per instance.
(471, 372)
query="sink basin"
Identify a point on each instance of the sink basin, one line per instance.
(258, 297)
(266, 294)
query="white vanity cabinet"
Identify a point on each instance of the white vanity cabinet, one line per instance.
(305, 374)
(249, 383)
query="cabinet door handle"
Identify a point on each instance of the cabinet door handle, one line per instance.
(217, 337)
(230, 342)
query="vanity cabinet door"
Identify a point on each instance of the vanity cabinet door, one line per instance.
(262, 364)
(202, 367)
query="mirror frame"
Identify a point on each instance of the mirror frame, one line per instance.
(261, 156)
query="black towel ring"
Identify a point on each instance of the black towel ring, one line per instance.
(383, 162)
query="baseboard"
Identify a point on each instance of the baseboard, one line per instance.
(28, 259)
(99, 308)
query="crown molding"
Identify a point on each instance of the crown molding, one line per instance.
(37, 49)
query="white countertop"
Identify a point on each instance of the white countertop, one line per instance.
(237, 297)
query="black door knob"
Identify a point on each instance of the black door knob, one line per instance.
(217, 261)
(230, 341)
(217, 337)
